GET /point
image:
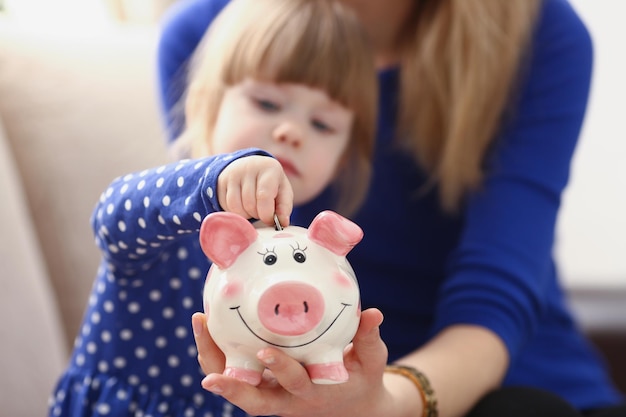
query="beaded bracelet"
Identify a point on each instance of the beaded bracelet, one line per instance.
(423, 386)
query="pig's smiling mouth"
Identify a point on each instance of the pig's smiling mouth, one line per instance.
(343, 308)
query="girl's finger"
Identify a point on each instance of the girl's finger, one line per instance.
(248, 197)
(266, 194)
(284, 201)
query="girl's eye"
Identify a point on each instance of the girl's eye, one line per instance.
(321, 126)
(266, 105)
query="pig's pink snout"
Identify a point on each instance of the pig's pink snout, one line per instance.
(291, 308)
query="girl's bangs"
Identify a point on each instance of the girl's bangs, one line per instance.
(298, 50)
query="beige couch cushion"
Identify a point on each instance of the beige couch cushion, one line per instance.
(33, 347)
(78, 111)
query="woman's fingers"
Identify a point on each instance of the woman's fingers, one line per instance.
(286, 388)
(290, 393)
(289, 373)
(256, 401)
(210, 357)
(368, 351)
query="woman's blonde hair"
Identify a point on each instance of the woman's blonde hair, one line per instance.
(461, 61)
(318, 43)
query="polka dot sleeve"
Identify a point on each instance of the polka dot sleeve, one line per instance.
(140, 214)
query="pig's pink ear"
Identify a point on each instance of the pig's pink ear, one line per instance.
(334, 232)
(223, 236)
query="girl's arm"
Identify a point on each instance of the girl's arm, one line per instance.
(141, 214)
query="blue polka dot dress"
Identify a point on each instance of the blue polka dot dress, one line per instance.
(135, 354)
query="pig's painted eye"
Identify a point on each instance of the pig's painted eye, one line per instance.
(269, 257)
(299, 256)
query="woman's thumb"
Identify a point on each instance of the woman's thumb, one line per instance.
(367, 344)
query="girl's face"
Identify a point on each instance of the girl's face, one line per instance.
(305, 130)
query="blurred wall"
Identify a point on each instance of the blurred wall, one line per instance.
(591, 235)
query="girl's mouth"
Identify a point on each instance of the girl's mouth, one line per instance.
(289, 168)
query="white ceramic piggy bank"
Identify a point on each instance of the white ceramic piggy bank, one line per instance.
(292, 289)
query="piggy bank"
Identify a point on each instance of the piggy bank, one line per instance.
(292, 289)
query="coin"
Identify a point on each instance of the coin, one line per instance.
(277, 223)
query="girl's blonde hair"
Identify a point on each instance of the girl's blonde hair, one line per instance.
(461, 61)
(318, 43)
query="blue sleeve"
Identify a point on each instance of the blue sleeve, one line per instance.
(181, 29)
(140, 214)
(502, 269)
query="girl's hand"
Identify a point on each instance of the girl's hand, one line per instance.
(286, 388)
(256, 187)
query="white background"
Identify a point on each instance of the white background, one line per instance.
(591, 233)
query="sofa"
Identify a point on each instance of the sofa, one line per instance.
(76, 112)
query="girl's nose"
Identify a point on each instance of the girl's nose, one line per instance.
(289, 133)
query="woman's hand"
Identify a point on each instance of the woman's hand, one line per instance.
(286, 388)
(256, 187)
(210, 357)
